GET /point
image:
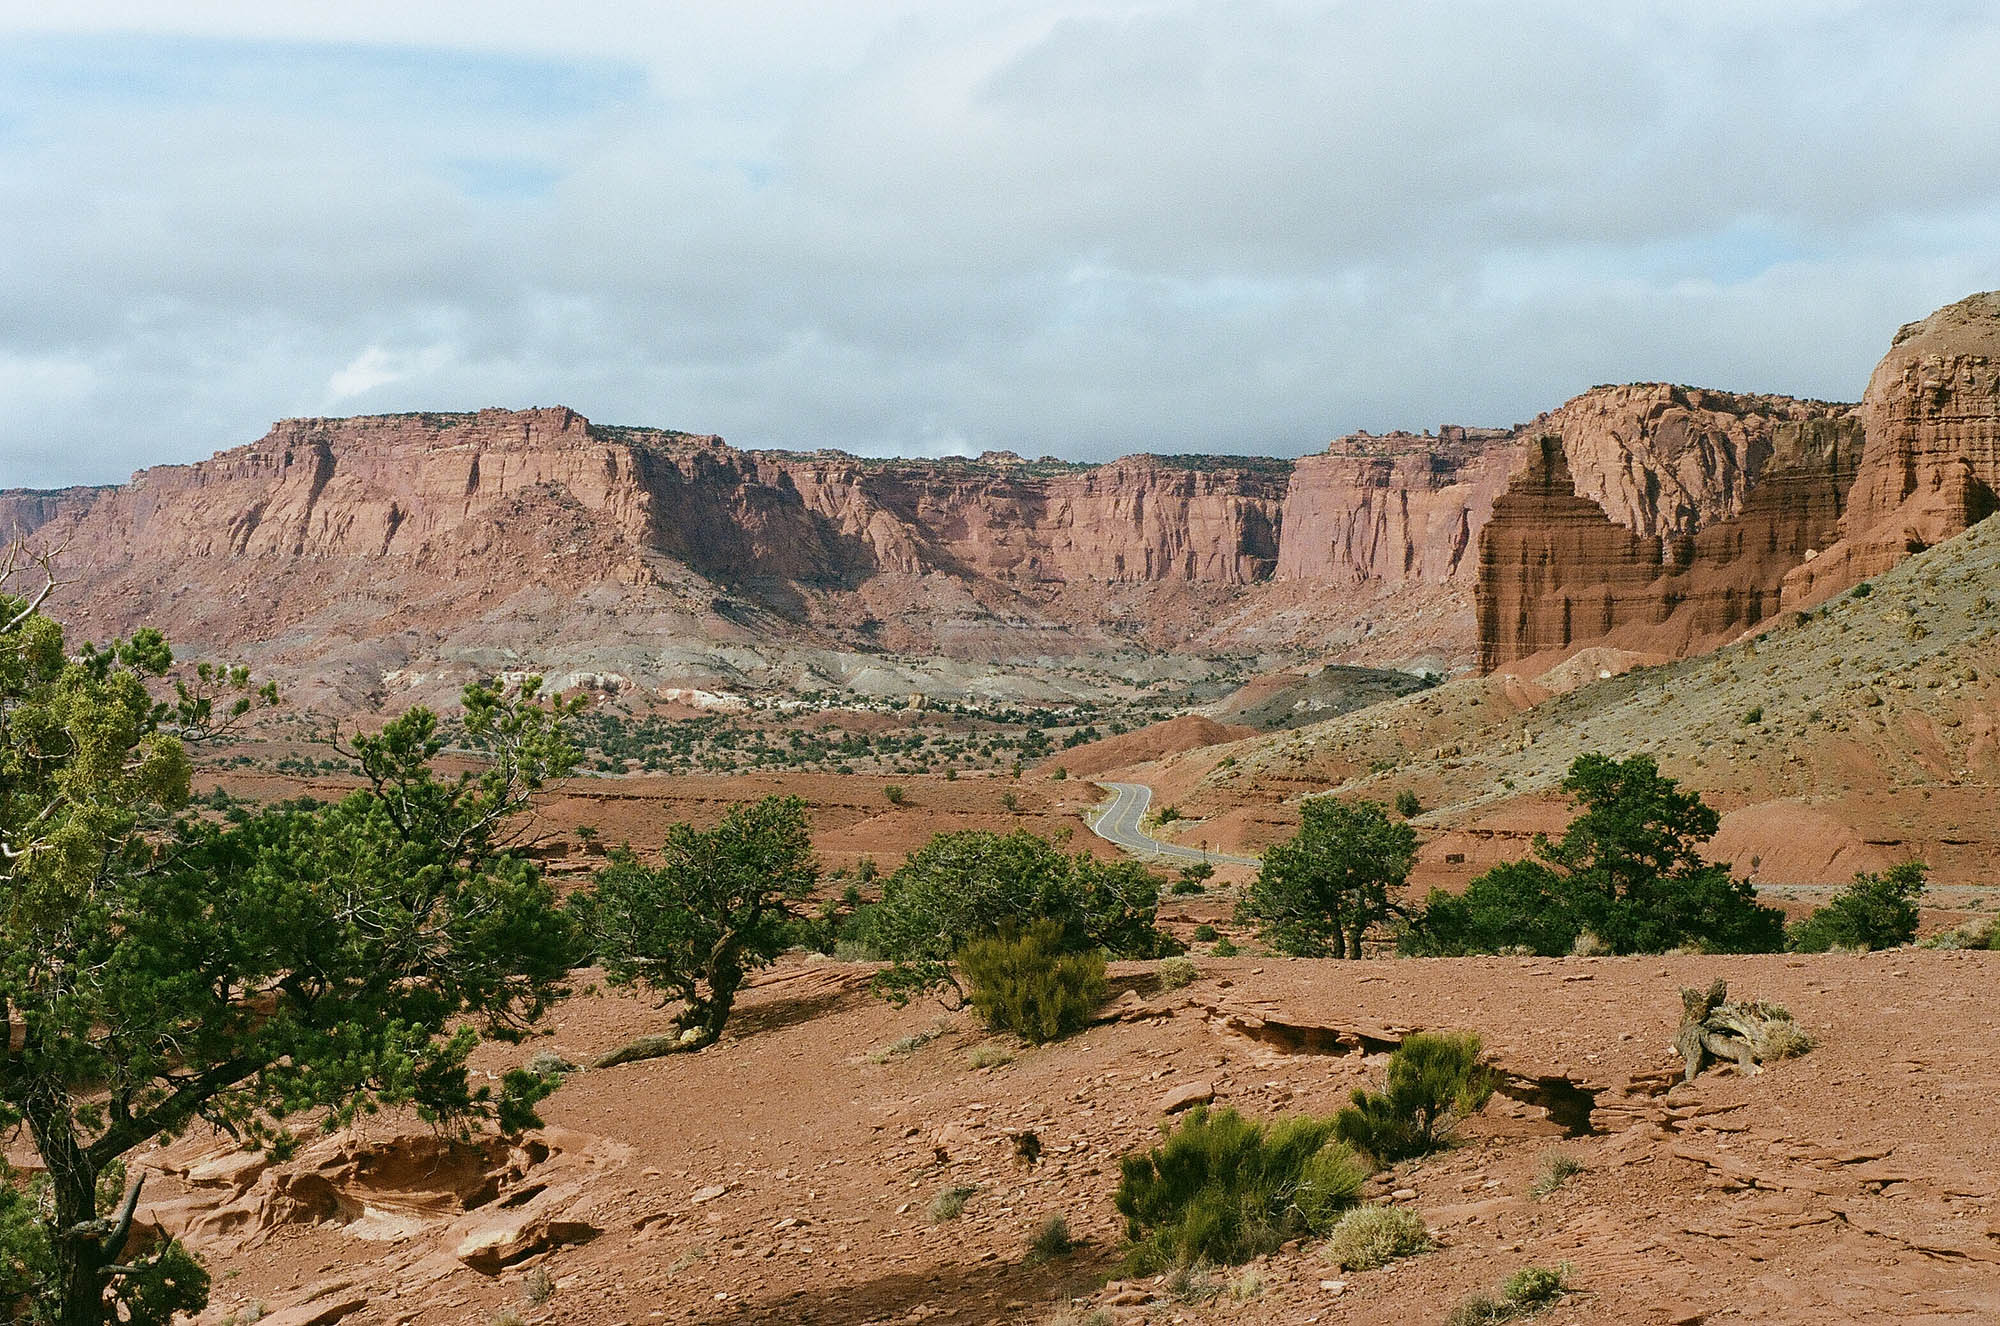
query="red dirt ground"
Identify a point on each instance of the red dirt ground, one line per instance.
(786, 1174)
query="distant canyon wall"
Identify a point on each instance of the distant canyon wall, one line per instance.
(1653, 516)
(428, 521)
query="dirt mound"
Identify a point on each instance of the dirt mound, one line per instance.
(1156, 741)
(1599, 663)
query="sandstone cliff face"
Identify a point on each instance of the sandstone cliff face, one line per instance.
(25, 510)
(505, 538)
(1556, 571)
(1932, 464)
(1666, 461)
(1712, 511)
(1399, 508)
(1136, 520)
(1655, 517)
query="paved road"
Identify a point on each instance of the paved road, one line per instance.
(1120, 823)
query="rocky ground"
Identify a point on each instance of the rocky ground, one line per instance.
(789, 1174)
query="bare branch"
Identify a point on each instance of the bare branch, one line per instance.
(20, 557)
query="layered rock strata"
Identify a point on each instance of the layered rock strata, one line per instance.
(1556, 571)
(1932, 464)
(1690, 534)
(1652, 516)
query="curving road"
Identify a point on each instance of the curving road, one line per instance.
(1120, 823)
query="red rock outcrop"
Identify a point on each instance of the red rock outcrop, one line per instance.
(25, 510)
(1716, 510)
(1667, 461)
(534, 540)
(1556, 571)
(1653, 517)
(1931, 467)
(1399, 507)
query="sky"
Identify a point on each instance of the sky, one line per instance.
(904, 227)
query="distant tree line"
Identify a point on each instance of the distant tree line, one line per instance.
(1626, 876)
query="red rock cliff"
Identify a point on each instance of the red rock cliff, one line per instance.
(1556, 571)
(1674, 519)
(1403, 507)
(1931, 467)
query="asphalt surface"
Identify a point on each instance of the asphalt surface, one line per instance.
(1120, 823)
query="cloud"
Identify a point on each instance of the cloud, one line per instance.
(378, 367)
(1069, 227)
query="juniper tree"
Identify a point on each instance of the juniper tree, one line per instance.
(306, 961)
(718, 906)
(1321, 890)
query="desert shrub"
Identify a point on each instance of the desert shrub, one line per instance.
(1753, 716)
(1407, 804)
(1051, 1239)
(1785, 1039)
(1558, 1168)
(1372, 1236)
(1176, 972)
(1875, 911)
(949, 1204)
(1320, 891)
(1330, 1182)
(1182, 888)
(1628, 869)
(894, 794)
(972, 885)
(1223, 1189)
(1524, 1293)
(1588, 945)
(1250, 1284)
(991, 1054)
(1433, 1080)
(1863, 590)
(1168, 814)
(1535, 1286)
(538, 1286)
(1225, 947)
(1193, 1282)
(549, 1064)
(1205, 933)
(1025, 983)
(1972, 935)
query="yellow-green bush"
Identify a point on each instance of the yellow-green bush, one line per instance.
(1026, 984)
(1223, 1189)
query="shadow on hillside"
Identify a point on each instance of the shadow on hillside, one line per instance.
(979, 1293)
(793, 1010)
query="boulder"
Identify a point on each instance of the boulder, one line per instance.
(1186, 1096)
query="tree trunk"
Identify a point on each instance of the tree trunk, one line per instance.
(705, 1017)
(76, 1236)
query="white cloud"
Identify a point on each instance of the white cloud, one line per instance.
(379, 367)
(1072, 227)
